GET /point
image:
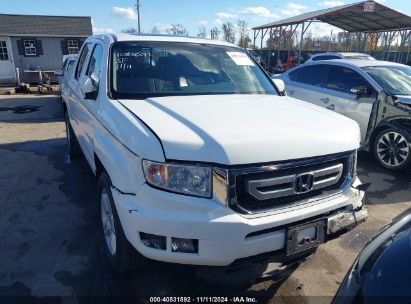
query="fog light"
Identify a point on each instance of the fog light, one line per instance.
(153, 241)
(184, 245)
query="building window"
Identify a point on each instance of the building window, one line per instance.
(4, 55)
(72, 46)
(30, 48)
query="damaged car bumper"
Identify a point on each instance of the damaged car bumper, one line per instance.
(221, 234)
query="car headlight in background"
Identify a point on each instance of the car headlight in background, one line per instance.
(185, 179)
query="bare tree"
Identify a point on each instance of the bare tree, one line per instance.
(244, 32)
(178, 29)
(130, 30)
(215, 33)
(228, 32)
(202, 32)
(155, 30)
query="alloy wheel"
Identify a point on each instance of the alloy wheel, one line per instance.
(107, 219)
(392, 149)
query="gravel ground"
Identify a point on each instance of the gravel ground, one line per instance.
(50, 245)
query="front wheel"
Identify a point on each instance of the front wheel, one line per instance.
(392, 150)
(120, 254)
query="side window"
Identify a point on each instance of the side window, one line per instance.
(312, 75)
(70, 65)
(30, 48)
(64, 68)
(94, 67)
(343, 79)
(293, 75)
(72, 46)
(82, 59)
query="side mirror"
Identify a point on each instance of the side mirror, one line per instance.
(279, 83)
(87, 87)
(360, 91)
(59, 73)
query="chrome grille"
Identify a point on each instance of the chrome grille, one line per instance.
(288, 185)
(274, 186)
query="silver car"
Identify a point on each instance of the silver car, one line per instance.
(376, 94)
(68, 63)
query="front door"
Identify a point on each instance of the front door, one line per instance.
(6, 61)
(337, 93)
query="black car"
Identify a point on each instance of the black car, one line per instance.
(382, 271)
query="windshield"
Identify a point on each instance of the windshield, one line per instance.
(148, 69)
(396, 80)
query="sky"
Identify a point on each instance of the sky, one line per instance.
(116, 15)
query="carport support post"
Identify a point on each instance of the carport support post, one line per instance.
(359, 38)
(301, 42)
(270, 41)
(261, 45)
(402, 45)
(409, 47)
(378, 36)
(279, 45)
(254, 33)
(350, 41)
(347, 40)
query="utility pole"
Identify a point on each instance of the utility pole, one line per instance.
(138, 15)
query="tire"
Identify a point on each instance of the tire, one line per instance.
(121, 255)
(392, 150)
(72, 143)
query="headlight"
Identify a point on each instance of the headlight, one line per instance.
(191, 180)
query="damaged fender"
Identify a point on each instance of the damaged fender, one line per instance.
(388, 112)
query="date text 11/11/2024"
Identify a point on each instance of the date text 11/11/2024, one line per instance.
(204, 299)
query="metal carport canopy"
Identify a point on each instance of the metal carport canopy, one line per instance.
(352, 18)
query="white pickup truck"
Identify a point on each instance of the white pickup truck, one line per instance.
(201, 159)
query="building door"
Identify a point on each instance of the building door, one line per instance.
(7, 72)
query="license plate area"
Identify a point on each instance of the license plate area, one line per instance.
(304, 237)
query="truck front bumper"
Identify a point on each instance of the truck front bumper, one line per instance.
(224, 235)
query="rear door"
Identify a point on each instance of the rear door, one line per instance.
(337, 94)
(76, 96)
(305, 83)
(88, 107)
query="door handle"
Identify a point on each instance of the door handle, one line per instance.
(325, 100)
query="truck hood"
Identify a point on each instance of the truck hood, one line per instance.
(244, 129)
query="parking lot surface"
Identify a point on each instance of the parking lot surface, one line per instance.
(50, 241)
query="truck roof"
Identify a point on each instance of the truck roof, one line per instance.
(160, 37)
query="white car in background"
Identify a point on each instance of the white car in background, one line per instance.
(339, 55)
(200, 158)
(64, 74)
(376, 94)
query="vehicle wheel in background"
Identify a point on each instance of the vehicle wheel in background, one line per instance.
(73, 146)
(120, 253)
(392, 150)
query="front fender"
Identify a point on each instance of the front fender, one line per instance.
(123, 166)
(402, 124)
